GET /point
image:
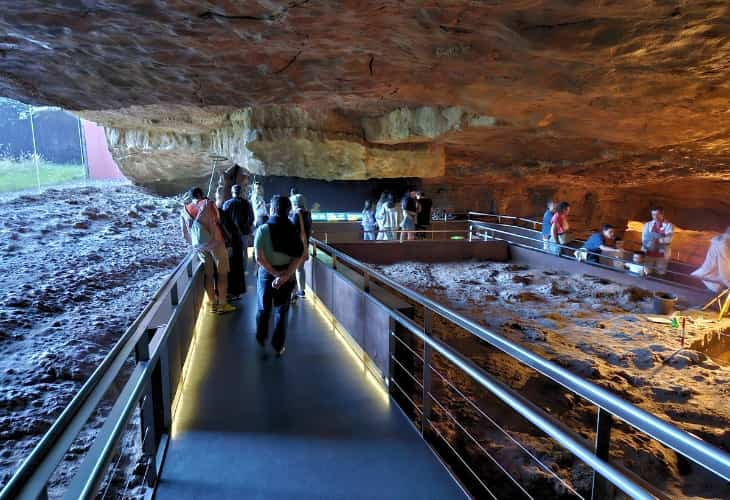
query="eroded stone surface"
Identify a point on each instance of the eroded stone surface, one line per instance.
(454, 90)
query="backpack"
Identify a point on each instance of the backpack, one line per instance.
(199, 235)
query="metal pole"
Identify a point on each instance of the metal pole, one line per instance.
(427, 352)
(82, 150)
(212, 173)
(602, 487)
(35, 149)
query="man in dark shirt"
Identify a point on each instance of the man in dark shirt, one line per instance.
(600, 241)
(423, 219)
(238, 219)
(300, 215)
(547, 223)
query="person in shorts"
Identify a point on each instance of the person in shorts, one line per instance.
(213, 253)
(547, 224)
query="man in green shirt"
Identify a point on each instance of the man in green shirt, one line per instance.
(279, 249)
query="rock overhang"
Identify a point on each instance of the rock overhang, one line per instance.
(356, 90)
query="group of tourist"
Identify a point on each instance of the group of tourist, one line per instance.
(387, 220)
(656, 240)
(221, 234)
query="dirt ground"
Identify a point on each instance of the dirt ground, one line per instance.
(598, 330)
(78, 265)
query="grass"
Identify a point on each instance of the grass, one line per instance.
(19, 175)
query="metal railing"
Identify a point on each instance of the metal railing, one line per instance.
(400, 235)
(537, 226)
(159, 339)
(609, 406)
(671, 276)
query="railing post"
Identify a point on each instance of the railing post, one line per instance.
(189, 268)
(334, 261)
(148, 427)
(174, 295)
(427, 352)
(601, 487)
(391, 352)
(366, 283)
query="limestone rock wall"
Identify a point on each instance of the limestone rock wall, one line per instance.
(628, 98)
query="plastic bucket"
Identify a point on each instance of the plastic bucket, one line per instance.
(664, 302)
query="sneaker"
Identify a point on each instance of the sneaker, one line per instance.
(294, 299)
(212, 308)
(280, 352)
(226, 308)
(301, 295)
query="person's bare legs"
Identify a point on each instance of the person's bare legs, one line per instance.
(210, 289)
(208, 276)
(222, 288)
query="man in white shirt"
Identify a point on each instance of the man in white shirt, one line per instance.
(656, 241)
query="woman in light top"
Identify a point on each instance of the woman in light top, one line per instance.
(389, 220)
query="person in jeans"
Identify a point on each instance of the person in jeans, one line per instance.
(301, 217)
(213, 253)
(279, 249)
(369, 226)
(547, 224)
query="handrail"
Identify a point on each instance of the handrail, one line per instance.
(536, 223)
(698, 451)
(527, 410)
(484, 225)
(35, 471)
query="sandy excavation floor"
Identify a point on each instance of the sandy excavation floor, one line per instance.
(598, 330)
(78, 265)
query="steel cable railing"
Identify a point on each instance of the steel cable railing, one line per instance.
(30, 479)
(693, 448)
(503, 431)
(678, 278)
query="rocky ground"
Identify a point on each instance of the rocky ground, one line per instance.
(78, 265)
(600, 331)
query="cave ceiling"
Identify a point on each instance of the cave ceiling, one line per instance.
(360, 89)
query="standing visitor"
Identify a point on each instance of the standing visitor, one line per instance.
(715, 270)
(302, 219)
(200, 225)
(560, 227)
(258, 203)
(410, 211)
(656, 241)
(547, 223)
(423, 219)
(279, 249)
(389, 219)
(379, 209)
(238, 218)
(369, 226)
